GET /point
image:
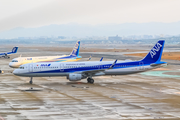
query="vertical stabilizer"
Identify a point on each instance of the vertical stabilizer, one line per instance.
(75, 51)
(14, 50)
(155, 53)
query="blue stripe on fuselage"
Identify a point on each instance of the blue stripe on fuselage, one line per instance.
(5, 53)
(70, 57)
(96, 67)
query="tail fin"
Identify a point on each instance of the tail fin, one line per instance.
(75, 51)
(14, 50)
(155, 53)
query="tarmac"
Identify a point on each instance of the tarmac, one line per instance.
(144, 96)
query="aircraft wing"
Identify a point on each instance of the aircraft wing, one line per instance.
(91, 72)
(86, 59)
(97, 71)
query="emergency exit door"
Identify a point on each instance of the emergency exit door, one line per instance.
(61, 67)
(141, 66)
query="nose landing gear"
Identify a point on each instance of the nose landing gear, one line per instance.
(90, 80)
(31, 82)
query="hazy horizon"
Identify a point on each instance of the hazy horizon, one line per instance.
(81, 18)
(38, 13)
(83, 30)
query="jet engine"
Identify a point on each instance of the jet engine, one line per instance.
(74, 77)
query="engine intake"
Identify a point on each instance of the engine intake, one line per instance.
(74, 77)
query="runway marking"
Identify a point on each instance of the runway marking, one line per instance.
(128, 103)
(160, 74)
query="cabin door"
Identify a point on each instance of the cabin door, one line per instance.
(61, 67)
(100, 66)
(30, 68)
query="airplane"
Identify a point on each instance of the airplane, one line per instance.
(74, 56)
(75, 71)
(7, 54)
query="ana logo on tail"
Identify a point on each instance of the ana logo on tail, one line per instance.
(14, 49)
(75, 49)
(155, 49)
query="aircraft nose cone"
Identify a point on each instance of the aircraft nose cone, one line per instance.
(10, 64)
(15, 72)
(13, 65)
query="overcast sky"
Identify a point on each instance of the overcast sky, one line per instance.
(36, 13)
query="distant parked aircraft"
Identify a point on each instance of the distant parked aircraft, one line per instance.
(75, 71)
(7, 54)
(74, 56)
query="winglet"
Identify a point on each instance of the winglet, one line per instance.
(113, 64)
(75, 51)
(89, 57)
(101, 59)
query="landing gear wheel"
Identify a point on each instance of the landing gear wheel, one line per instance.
(90, 80)
(31, 82)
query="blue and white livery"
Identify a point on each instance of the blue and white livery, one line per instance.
(7, 54)
(75, 71)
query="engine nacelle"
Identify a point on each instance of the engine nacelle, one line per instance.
(74, 77)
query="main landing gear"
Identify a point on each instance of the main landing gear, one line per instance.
(31, 82)
(90, 80)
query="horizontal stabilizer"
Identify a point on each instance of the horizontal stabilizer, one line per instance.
(158, 63)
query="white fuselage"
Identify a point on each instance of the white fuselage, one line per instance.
(16, 62)
(64, 69)
(74, 56)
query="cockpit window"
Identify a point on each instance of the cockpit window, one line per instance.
(21, 67)
(14, 61)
